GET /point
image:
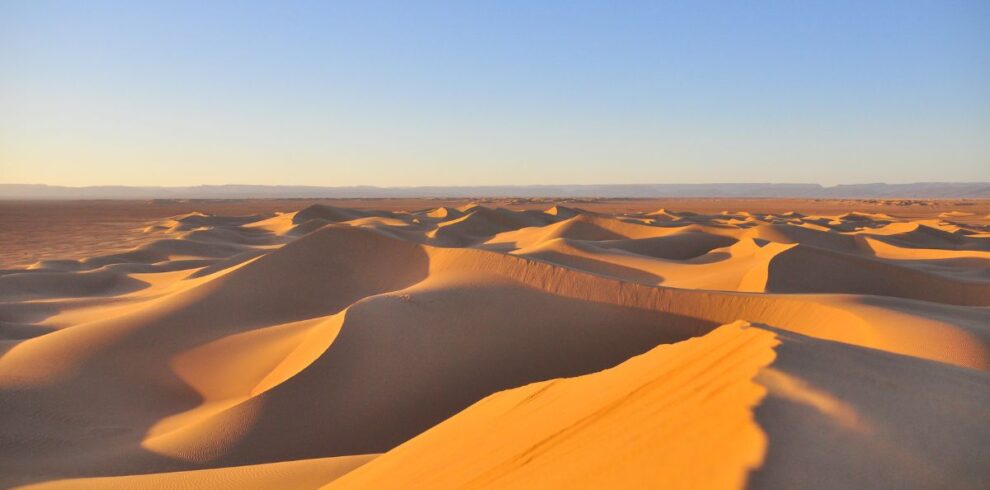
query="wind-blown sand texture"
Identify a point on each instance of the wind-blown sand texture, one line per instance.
(589, 345)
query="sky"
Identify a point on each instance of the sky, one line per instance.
(409, 93)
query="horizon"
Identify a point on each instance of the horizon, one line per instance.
(560, 184)
(410, 95)
(918, 190)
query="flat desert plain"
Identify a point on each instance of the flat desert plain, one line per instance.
(396, 344)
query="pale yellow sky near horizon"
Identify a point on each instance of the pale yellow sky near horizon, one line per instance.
(479, 159)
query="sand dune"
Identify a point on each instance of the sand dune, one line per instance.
(290, 474)
(481, 346)
(682, 416)
(640, 424)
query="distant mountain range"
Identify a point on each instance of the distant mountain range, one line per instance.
(921, 190)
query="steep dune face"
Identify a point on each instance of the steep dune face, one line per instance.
(334, 214)
(311, 473)
(959, 340)
(480, 223)
(126, 371)
(815, 270)
(226, 347)
(429, 362)
(652, 422)
(640, 424)
(925, 428)
(682, 246)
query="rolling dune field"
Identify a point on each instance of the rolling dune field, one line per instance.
(683, 343)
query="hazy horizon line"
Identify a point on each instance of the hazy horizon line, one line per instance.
(919, 190)
(559, 184)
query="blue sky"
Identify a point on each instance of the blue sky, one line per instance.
(448, 93)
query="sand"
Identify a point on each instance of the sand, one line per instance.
(449, 344)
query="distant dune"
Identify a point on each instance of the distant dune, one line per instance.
(478, 346)
(922, 190)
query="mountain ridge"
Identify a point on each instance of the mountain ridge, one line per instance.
(919, 190)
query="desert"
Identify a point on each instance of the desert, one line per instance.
(552, 245)
(495, 343)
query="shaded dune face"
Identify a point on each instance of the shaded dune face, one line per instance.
(570, 433)
(339, 333)
(815, 270)
(122, 367)
(428, 363)
(920, 430)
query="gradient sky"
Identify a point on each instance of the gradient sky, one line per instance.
(447, 93)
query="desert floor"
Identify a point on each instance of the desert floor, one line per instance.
(680, 343)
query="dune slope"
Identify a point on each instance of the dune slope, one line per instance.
(644, 423)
